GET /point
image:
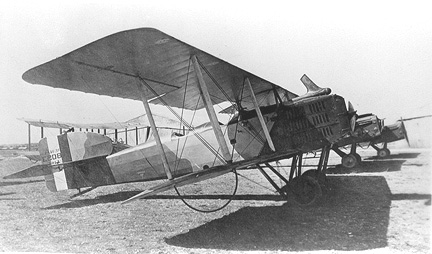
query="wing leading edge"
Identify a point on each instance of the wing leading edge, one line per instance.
(115, 64)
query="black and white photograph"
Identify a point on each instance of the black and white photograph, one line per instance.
(215, 127)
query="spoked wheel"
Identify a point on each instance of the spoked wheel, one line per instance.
(349, 161)
(382, 153)
(306, 190)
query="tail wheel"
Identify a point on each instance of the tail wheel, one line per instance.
(306, 190)
(382, 153)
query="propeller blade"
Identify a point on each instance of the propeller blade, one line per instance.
(413, 118)
(405, 132)
(353, 121)
(350, 107)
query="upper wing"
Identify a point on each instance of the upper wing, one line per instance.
(141, 121)
(65, 125)
(114, 65)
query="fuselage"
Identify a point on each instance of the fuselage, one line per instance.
(294, 127)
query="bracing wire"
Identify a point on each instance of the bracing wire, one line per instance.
(213, 210)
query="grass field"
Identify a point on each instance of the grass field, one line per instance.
(382, 206)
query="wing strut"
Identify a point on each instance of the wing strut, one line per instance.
(210, 111)
(153, 128)
(260, 117)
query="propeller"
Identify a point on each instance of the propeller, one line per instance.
(413, 118)
(405, 133)
(353, 116)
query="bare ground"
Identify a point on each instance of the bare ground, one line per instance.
(383, 206)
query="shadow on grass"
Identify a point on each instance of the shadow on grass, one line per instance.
(413, 196)
(8, 183)
(368, 167)
(7, 194)
(353, 216)
(122, 196)
(395, 156)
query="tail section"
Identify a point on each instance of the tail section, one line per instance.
(33, 171)
(72, 160)
(86, 173)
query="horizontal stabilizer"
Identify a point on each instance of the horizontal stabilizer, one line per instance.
(33, 171)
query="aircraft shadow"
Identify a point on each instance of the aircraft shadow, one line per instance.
(395, 156)
(7, 193)
(8, 183)
(122, 196)
(109, 198)
(354, 216)
(368, 167)
(413, 196)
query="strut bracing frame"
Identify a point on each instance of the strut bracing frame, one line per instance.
(154, 130)
(210, 111)
(260, 117)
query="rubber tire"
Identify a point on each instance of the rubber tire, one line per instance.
(306, 190)
(382, 153)
(320, 177)
(349, 161)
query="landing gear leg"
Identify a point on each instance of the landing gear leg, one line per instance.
(349, 160)
(382, 152)
(307, 187)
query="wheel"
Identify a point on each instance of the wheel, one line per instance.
(382, 153)
(318, 176)
(349, 161)
(306, 190)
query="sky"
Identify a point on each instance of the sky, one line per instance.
(376, 54)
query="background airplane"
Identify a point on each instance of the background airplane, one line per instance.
(370, 131)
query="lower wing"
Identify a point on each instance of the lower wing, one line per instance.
(208, 174)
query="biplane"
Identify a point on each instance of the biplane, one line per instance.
(269, 123)
(370, 130)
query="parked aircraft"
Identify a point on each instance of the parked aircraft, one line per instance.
(145, 64)
(371, 131)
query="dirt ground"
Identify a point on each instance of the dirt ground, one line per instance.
(382, 206)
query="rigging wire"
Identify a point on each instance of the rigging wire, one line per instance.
(214, 210)
(255, 182)
(205, 142)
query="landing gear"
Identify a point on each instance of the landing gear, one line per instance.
(384, 152)
(306, 188)
(350, 160)
(381, 152)
(358, 157)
